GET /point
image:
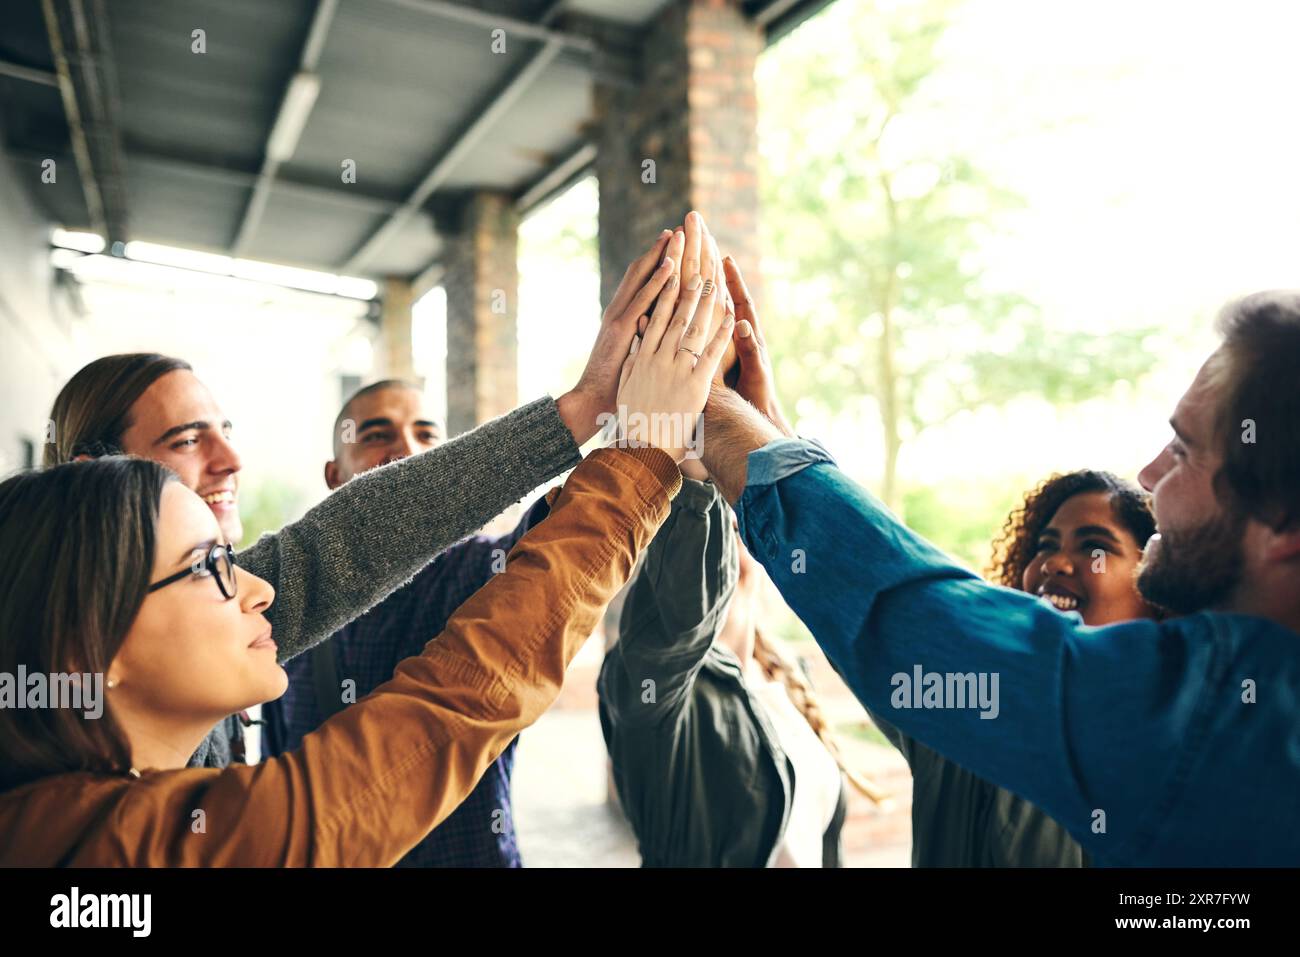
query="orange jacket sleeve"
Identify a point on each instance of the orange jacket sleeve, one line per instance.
(377, 777)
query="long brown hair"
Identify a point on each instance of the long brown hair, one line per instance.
(93, 410)
(777, 665)
(76, 552)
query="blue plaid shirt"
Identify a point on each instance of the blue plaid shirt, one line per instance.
(481, 832)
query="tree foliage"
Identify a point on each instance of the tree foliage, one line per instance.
(878, 226)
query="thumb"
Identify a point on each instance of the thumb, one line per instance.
(746, 341)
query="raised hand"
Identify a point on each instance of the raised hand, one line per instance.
(754, 381)
(665, 382)
(583, 407)
(723, 306)
(700, 256)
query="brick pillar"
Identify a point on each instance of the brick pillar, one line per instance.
(482, 285)
(393, 357)
(695, 115)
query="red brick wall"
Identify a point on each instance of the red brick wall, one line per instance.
(694, 114)
(482, 347)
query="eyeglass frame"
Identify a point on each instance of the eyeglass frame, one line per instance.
(210, 564)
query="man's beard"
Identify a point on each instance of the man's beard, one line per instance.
(1190, 571)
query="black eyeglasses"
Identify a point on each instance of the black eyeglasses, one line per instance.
(219, 563)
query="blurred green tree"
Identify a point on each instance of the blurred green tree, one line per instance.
(878, 227)
(268, 505)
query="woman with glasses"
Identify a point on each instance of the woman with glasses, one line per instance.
(112, 567)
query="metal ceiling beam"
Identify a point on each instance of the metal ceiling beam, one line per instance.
(562, 174)
(30, 74)
(307, 62)
(616, 61)
(83, 62)
(243, 179)
(428, 277)
(492, 21)
(779, 17)
(485, 115)
(235, 177)
(773, 10)
(550, 14)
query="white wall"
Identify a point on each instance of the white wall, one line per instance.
(35, 344)
(272, 356)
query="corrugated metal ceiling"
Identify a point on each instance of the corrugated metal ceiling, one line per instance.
(400, 82)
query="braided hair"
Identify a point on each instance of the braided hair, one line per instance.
(777, 665)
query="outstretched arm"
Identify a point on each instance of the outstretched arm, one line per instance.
(1091, 725)
(372, 535)
(377, 777)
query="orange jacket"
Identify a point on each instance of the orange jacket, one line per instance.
(377, 777)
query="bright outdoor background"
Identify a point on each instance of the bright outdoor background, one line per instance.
(1046, 205)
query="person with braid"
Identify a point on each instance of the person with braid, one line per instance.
(780, 669)
(721, 754)
(1076, 543)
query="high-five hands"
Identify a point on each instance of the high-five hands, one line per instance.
(699, 256)
(584, 407)
(755, 381)
(699, 294)
(665, 381)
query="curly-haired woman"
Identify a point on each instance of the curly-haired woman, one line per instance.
(1076, 542)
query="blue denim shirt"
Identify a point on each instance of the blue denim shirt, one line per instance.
(1171, 743)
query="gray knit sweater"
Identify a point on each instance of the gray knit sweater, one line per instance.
(371, 536)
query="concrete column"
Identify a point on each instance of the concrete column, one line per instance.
(393, 359)
(687, 138)
(482, 285)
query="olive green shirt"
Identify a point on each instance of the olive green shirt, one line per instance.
(960, 820)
